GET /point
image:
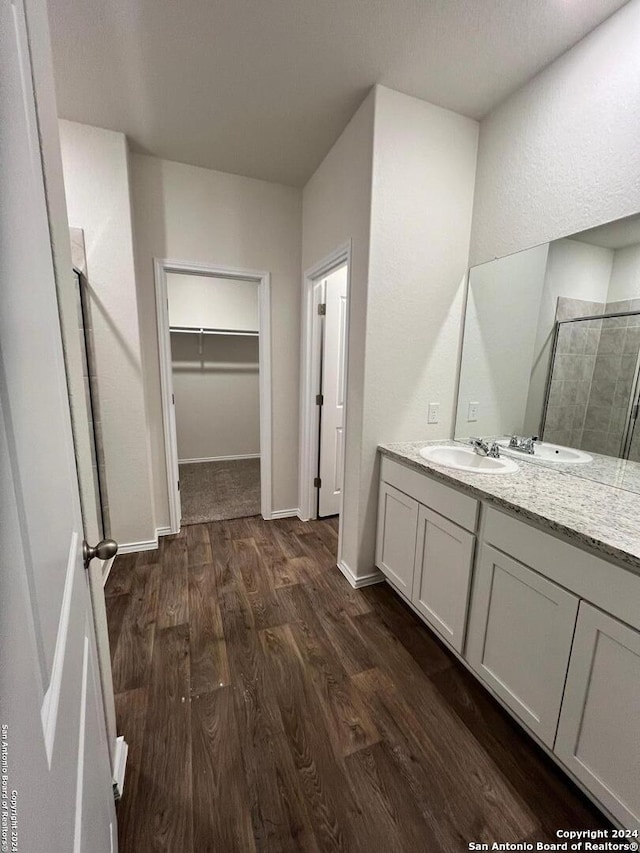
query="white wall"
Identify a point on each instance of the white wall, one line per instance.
(215, 303)
(399, 184)
(561, 154)
(96, 174)
(499, 338)
(192, 214)
(217, 396)
(336, 209)
(424, 160)
(625, 274)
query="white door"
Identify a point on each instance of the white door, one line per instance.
(444, 559)
(333, 388)
(53, 747)
(396, 537)
(599, 730)
(519, 638)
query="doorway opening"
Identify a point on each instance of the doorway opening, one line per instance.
(214, 352)
(324, 385)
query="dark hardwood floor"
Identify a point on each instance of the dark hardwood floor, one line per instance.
(270, 707)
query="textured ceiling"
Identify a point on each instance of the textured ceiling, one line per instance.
(264, 87)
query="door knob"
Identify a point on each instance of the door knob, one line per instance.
(104, 550)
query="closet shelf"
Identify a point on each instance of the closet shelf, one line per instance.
(192, 330)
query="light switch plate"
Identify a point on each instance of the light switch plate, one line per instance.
(472, 414)
(434, 413)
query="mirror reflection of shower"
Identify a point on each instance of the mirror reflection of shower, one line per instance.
(592, 392)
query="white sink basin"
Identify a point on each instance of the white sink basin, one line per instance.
(466, 459)
(546, 452)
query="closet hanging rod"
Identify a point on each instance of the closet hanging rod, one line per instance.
(190, 330)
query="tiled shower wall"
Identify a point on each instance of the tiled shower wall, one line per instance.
(572, 372)
(593, 377)
(613, 379)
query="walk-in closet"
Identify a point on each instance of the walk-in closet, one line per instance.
(214, 325)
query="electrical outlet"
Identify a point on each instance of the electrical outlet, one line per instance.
(434, 413)
(472, 414)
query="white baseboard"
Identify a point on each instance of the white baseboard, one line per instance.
(285, 513)
(362, 580)
(120, 766)
(148, 545)
(219, 458)
(132, 547)
(301, 516)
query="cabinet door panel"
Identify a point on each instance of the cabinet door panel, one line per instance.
(444, 557)
(599, 730)
(519, 641)
(396, 539)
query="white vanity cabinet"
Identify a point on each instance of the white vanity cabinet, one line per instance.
(520, 631)
(442, 574)
(599, 731)
(396, 539)
(425, 545)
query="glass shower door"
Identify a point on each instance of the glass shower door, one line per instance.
(592, 397)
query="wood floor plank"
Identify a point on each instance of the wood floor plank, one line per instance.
(465, 792)
(164, 813)
(332, 810)
(393, 819)
(331, 587)
(132, 654)
(277, 811)
(405, 627)
(277, 566)
(119, 580)
(221, 816)
(149, 557)
(340, 628)
(288, 541)
(348, 722)
(116, 606)
(221, 554)
(173, 598)
(198, 545)
(255, 579)
(209, 666)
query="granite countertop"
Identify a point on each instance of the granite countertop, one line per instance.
(600, 517)
(608, 470)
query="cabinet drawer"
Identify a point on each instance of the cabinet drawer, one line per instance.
(396, 537)
(599, 730)
(460, 508)
(519, 638)
(442, 574)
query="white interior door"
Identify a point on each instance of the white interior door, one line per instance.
(53, 737)
(331, 461)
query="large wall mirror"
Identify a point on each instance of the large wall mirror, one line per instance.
(552, 346)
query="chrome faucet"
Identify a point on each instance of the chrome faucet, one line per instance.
(482, 448)
(522, 444)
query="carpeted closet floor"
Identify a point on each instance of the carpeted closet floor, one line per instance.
(214, 491)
